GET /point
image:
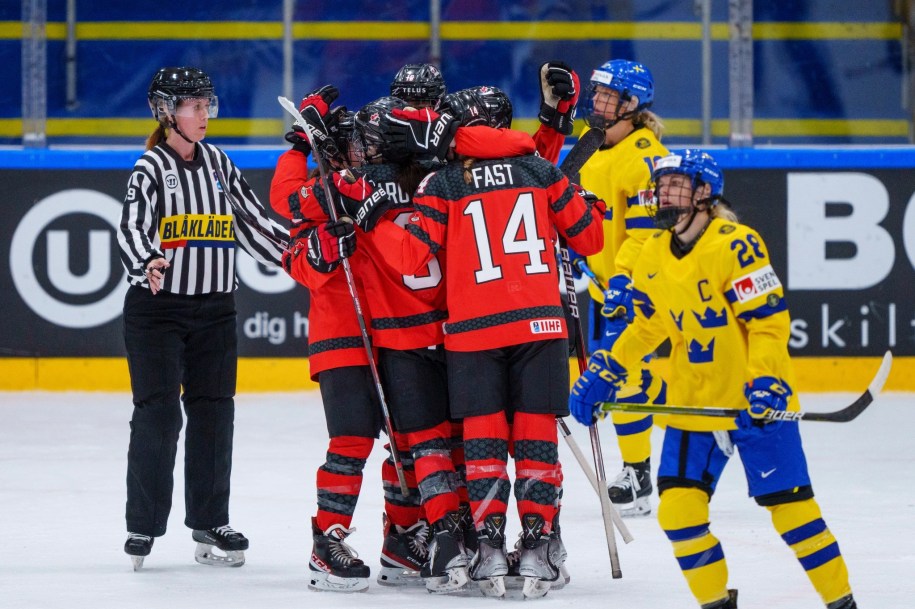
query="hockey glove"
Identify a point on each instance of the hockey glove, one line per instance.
(764, 394)
(599, 383)
(315, 110)
(591, 199)
(330, 243)
(299, 141)
(424, 132)
(362, 199)
(559, 91)
(618, 298)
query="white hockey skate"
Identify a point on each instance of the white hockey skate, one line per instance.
(230, 543)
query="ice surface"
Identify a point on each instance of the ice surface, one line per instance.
(62, 489)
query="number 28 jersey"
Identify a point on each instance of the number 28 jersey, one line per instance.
(496, 221)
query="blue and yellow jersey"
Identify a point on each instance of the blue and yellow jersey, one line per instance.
(620, 175)
(723, 308)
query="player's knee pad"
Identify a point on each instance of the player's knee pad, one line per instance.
(683, 509)
(351, 447)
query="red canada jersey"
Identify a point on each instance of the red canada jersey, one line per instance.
(407, 309)
(334, 335)
(495, 221)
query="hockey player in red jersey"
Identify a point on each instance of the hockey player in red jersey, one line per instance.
(495, 221)
(338, 361)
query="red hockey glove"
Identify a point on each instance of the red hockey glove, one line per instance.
(362, 199)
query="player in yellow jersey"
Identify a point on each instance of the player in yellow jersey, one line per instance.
(706, 283)
(620, 96)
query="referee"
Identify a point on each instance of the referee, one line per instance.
(178, 232)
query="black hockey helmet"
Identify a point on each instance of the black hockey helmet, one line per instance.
(419, 84)
(482, 105)
(171, 84)
(368, 143)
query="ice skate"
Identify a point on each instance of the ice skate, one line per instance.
(536, 564)
(731, 602)
(468, 530)
(335, 566)
(489, 565)
(557, 553)
(138, 547)
(631, 491)
(227, 540)
(403, 554)
(846, 602)
(446, 570)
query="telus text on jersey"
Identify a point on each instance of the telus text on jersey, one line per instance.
(499, 174)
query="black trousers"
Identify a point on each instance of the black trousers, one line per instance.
(173, 342)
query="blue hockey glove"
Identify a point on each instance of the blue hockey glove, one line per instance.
(598, 384)
(618, 298)
(610, 331)
(764, 394)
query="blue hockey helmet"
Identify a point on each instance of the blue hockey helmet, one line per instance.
(699, 166)
(628, 78)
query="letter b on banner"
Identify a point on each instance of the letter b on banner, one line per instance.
(811, 228)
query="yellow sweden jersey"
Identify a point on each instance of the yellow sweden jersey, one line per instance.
(618, 175)
(723, 308)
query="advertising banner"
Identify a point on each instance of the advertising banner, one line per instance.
(842, 242)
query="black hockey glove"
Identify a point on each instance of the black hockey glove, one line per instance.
(315, 110)
(299, 141)
(424, 132)
(362, 199)
(330, 243)
(559, 91)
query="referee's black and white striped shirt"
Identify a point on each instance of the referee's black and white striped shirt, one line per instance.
(177, 209)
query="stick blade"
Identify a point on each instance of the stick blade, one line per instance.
(883, 373)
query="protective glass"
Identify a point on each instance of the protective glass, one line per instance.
(191, 107)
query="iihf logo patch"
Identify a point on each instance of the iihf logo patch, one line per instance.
(546, 326)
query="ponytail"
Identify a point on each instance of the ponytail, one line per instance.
(156, 137)
(651, 121)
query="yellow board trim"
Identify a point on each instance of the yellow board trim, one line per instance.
(453, 30)
(265, 127)
(110, 374)
(813, 374)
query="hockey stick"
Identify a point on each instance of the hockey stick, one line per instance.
(351, 283)
(583, 149)
(241, 211)
(582, 266)
(606, 508)
(842, 415)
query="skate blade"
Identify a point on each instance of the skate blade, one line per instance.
(137, 562)
(493, 587)
(325, 582)
(637, 509)
(206, 555)
(534, 587)
(455, 579)
(398, 576)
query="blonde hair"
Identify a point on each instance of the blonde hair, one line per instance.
(723, 210)
(156, 137)
(651, 121)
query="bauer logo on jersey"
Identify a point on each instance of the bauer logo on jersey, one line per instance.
(546, 326)
(196, 230)
(757, 283)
